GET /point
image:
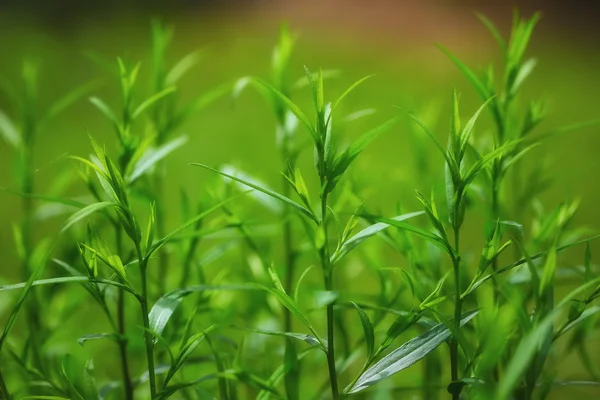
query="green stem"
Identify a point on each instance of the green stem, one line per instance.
(328, 281)
(4, 393)
(27, 186)
(288, 254)
(122, 342)
(457, 310)
(145, 320)
(163, 256)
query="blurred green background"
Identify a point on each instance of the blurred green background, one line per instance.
(392, 39)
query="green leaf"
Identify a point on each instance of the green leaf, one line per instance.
(472, 173)
(492, 28)
(343, 161)
(525, 70)
(67, 100)
(185, 352)
(346, 93)
(9, 131)
(96, 336)
(292, 371)
(67, 279)
(368, 331)
(269, 192)
(303, 337)
(292, 306)
(153, 155)
(468, 130)
(171, 235)
(522, 261)
(163, 309)
(449, 161)
(85, 212)
(406, 355)
(317, 90)
(151, 100)
(469, 74)
(291, 106)
(105, 109)
(434, 239)
(522, 356)
(25, 289)
(201, 101)
(548, 273)
(269, 202)
(182, 66)
(111, 260)
(366, 233)
(50, 199)
(399, 326)
(150, 231)
(300, 187)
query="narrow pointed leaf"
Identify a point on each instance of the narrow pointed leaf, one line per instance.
(406, 355)
(171, 235)
(95, 336)
(67, 100)
(163, 309)
(151, 100)
(105, 109)
(292, 107)
(468, 73)
(182, 66)
(292, 371)
(271, 193)
(434, 239)
(368, 330)
(366, 233)
(85, 212)
(9, 131)
(494, 31)
(153, 156)
(346, 93)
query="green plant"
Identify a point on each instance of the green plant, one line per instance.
(200, 310)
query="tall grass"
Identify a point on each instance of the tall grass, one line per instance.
(271, 309)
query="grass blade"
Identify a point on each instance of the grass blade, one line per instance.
(406, 355)
(269, 192)
(9, 131)
(366, 233)
(153, 156)
(85, 212)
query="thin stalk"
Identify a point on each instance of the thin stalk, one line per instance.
(163, 256)
(328, 281)
(145, 320)
(121, 329)
(189, 257)
(4, 393)
(457, 307)
(27, 186)
(288, 254)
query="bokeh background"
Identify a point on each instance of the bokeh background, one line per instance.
(392, 39)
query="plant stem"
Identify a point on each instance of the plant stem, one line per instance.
(4, 393)
(122, 342)
(457, 309)
(328, 281)
(27, 186)
(330, 341)
(163, 256)
(145, 320)
(288, 254)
